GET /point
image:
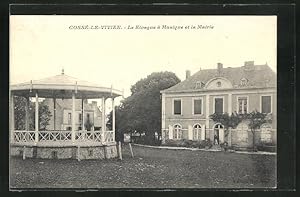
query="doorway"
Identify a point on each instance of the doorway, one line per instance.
(218, 134)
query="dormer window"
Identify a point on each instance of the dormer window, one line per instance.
(243, 82)
(219, 84)
(199, 84)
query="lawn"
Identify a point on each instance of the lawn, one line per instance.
(150, 168)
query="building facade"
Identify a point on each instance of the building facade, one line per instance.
(186, 107)
(63, 115)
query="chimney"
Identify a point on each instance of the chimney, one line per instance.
(187, 74)
(220, 67)
(249, 65)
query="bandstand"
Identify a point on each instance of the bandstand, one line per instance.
(58, 143)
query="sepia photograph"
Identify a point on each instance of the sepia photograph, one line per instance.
(142, 101)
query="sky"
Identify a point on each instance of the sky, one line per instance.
(41, 46)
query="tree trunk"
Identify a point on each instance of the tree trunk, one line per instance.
(253, 140)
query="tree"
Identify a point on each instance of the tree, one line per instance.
(44, 116)
(20, 111)
(256, 119)
(141, 112)
(227, 120)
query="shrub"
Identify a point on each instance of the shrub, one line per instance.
(177, 143)
(266, 146)
(171, 143)
(205, 143)
(195, 144)
(224, 145)
(188, 143)
(146, 140)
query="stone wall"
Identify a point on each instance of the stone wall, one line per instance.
(111, 151)
(70, 152)
(97, 152)
(55, 153)
(19, 150)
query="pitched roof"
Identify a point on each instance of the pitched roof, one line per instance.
(258, 76)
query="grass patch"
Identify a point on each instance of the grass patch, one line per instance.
(150, 168)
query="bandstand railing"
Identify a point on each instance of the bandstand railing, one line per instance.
(33, 137)
(109, 136)
(95, 136)
(23, 136)
(54, 136)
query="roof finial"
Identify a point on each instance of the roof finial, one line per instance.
(62, 71)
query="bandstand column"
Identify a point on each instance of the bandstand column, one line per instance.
(82, 114)
(54, 113)
(113, 118)
(103, 120)
(73, 117)
(36, 117)
(27, 114)
(103, 114)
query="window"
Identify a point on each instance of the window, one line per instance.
(197, 106)
(244, 81)
(266, 104)
(177, 107)
(242, 105)
(199, 84)
(196, 132)
(69, 118)
(219, 84)
(177, 132)
(219, 105)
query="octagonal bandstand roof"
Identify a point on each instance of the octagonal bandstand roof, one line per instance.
(62, 86)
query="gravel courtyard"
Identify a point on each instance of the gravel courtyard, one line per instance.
(150, 168)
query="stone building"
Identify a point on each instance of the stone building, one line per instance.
(186, 106)
(63, 115)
